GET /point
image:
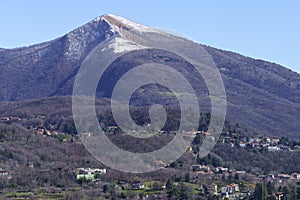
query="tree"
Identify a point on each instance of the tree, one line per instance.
(187, 177)
(175, 192)
(260, 192)
(156, 186)
(223, 178)
(169, 185)
(236, 177)
(285, 191)
(230, 178)
(106, 188)
(273, 197)
(185, 192)
(296, 193)
(270, 188)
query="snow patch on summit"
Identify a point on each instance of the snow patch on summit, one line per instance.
(123, 23)
(120, 45)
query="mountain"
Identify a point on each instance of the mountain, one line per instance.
(261, 95)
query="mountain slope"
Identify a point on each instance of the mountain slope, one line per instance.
(262, 95)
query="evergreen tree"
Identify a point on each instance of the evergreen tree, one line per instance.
(295, 194)
(273, 197)
(187, 177)
(236, 177)
(270, 188)
(260, 192)
(169, 185)
(286, 192)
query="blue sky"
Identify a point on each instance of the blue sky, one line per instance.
(268, 30)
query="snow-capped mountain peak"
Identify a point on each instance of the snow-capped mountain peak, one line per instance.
(122, 24)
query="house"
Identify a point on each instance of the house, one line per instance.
(40, 131)
(138, 186)
(112, 129)
(242, 145)
(279, 195)
(203, 133)
(234, 187)
(221, 169)
(284, 176)
(296, 176)
(213, 189)
(4, 119)
(270, 177)
(230, 189)
(275, 140)
(273, 148)
(224, 191)
(5, 173)
(268, 139)
(10, 118)
(30, 165)
(47, 132)
(197, 168)
(160, 163)
(89, 173)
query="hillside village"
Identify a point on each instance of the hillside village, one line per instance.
(202, 179)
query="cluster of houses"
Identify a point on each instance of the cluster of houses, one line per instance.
(9, 118)
(216, 170)
(280, 178)
(43, 131)
(215, 173)
(270, 143)
(47, 133)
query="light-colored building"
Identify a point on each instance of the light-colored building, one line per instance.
(138, 186)
(213, 189)
(230, 189)
(89, 173)
(273, 148)
(221, 169)
(5, 173)
(197, 168)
